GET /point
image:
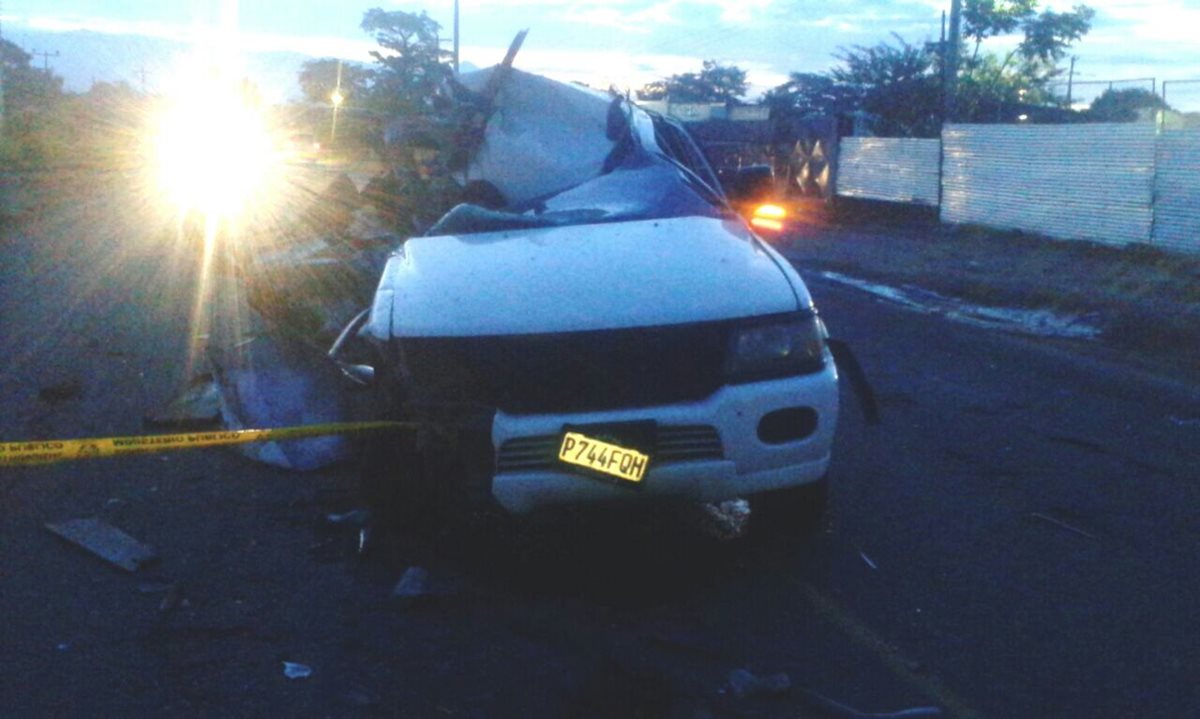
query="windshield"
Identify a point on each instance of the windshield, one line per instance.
(644, 187)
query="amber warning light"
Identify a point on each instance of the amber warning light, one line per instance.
(769, 217)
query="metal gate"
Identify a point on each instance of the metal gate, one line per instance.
(895, 169)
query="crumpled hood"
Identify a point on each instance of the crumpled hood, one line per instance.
(582, 277)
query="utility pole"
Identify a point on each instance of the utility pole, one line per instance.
(46, 58)
(950, 62)
(455, 37)
(1071, 81)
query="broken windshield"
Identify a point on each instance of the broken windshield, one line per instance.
(643, 187)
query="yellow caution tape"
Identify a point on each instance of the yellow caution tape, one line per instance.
(67, 450)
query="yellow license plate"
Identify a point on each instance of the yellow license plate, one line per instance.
(604, 457)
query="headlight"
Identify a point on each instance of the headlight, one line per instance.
(778, 347)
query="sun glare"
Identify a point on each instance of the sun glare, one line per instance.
(214, 149)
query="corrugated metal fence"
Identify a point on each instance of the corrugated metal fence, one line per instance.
(886, 168)
(1177, 191)
(1111, 183)
(1093, 182)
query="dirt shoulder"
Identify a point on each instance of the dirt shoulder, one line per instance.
(1145, 301)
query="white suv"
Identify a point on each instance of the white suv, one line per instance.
(622, 338)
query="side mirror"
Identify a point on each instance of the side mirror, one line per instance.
(362, 375)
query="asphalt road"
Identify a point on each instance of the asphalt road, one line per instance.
(1018, 538)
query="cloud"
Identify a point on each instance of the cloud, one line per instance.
(641, 21)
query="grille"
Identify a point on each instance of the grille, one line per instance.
(674, 444)
(572, 372)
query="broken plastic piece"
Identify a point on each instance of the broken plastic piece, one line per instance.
(292, 670)
(107, 542)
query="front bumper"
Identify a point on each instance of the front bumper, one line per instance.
(740, 464)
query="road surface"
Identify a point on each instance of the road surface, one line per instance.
(1017, 538)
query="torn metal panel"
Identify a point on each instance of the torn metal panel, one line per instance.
(543, 136)
(105, 541)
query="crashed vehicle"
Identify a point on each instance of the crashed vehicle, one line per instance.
(614, 332)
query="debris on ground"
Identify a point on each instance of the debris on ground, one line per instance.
(353, 518)
(837, 710)
(293, 670)
(868, 561)
(105, 541)
(725, 521)
(360, 697)
(414, 584)
(1035, 322)
(172, 599)
(155, 587)
(418, 584)
(197, 407)
(1062, 524)
(61, 391)
(744, 684)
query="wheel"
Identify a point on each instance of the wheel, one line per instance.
(794, 510)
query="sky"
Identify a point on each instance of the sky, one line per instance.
(621, 43)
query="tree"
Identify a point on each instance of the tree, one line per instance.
(992, 86)
(31, 127)
(809, 93)
(988, 18)
(319, 78)
(898, 83)
(1046, 35)
(1124, 105)
(412, 67)
(714, 83)
(901, 83)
